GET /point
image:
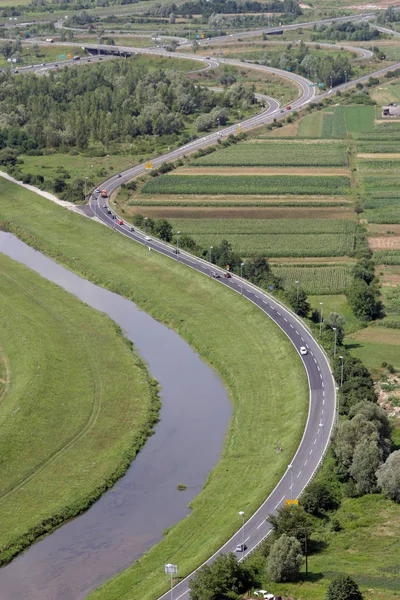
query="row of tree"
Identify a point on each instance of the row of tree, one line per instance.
(53, 5)
(348, 30)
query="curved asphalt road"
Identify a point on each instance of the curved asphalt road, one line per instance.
(322, 406)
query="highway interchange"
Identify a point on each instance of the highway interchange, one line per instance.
(322, 399)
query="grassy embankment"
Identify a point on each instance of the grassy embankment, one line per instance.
(76, 397)
(250, 353)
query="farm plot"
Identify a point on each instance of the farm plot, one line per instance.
(274, 238)
(315, 279)
(309, 185)
(378, 146)
(333, 123)
(276, 154)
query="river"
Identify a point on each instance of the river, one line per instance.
(130, 518)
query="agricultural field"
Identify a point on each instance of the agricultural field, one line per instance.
(201, 184)
(315, 279)
(277, 153)
(337, 121)
(274, 238)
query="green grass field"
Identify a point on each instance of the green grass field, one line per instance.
(336, 121)
(367, 549)
(64, 410)
(229, 333)
(287, 154)
(231, 184)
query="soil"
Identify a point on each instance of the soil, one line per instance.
(388, 399)
(384, 243)
(385, 229)
(382, 156)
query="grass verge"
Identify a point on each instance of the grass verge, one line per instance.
(71, 424)
(249, 352)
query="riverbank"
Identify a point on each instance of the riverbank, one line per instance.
(79, 406)
(249, 352)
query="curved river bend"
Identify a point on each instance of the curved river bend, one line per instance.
(130, 518)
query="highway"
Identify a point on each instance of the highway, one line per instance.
(322, 400)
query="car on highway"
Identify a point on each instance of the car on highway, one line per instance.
(118, 175)
(176, 251)
(147, 238)
(114, 216)
(109, 212)
(43, 65)
(120, 222)
(216, 276)
(288, 108)
(97, 191)
(104, 205)
(131, 228)
(303, 350)
(240, 548)
(228, 275)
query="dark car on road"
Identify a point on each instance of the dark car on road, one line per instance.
(228, 275)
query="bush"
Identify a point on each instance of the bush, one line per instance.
(343, 588)
(317, 497)
(285, 559)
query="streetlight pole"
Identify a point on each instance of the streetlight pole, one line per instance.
(334, 347)
(297, 284)
(345, 76)
(331, 80)
(241, 513)
(177, 245)
(86, 178)
(155, 143)
(108, 165)
(145, 223)
(130, 146)
(211, 247)
(320, 322)
(241, 275)
(290, 468)
(341, 371)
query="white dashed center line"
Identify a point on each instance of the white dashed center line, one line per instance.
(281, 500)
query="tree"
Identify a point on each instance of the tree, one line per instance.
(293, 521)
(388, 476)
(364, 300)
(364, 269)
(195, 46)
(343, 588)
(259, 272)
(317, 497)
(172, 18)
(367, 458)
(224, 579)
(336, 320)
(163, 229)
(297, 299)
(285, 559)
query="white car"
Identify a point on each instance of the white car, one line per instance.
(264, 594)
(147, 238)
(303, 350)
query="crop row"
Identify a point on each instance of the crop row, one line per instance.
(273, 227)
(379, 165)
(277, 154)
(294, 245)
(390, 214)
(204, 184)
(378, 203)
(386, 257)
(334, 124)
(378, 146)
(250, 203)
(315, 279)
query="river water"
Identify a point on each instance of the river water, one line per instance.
(130, 518)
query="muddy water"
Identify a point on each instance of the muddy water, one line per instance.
(131, 517)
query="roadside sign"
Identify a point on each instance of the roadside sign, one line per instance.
(148, 165)
(202, 36)
(291, 502)
(170, 569)
(198, 36)
(63, 56)
(69, 56)
(321, 85)
(239, 129)
(311, 84)
(228, 267)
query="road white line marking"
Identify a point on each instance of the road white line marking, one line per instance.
(323, 402)
(302, 339)
(308, 347)
(323, 393)
(323, 385)
(261, 524)
(318, 368)
(299, 474)
(255, 296)
(281, 500)
(278, 313)
(320, 375)
(297, 332)
(285, 319)
(265, 302)
(306, 462)
(247, 539)
(311, 451)
(315, 441)
(322, 412)
(291, 326)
